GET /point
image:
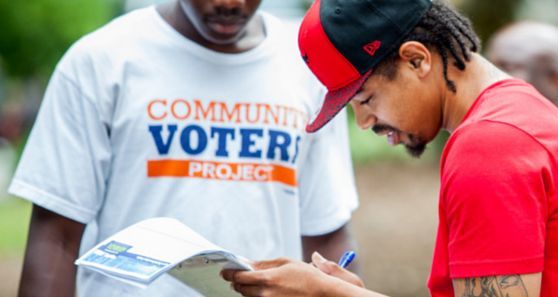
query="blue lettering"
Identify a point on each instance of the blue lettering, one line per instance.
(186, 137)
(247, 143)
(222, 140)
(297, 144)
(162, 147)
(279, 140)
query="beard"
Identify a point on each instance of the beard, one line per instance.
(414, 147)
(416, 150)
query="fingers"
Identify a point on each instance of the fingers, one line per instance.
(247, 283)
(228, 274)
(246, 290)
(326, 266)
(250, 278)
(261, 265)
(331, 268)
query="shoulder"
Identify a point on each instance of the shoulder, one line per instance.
(284, 38)
(283, 35)
(488, 139)
(110, 42)
(488, 164)
(515, 102)
(489, 133)
(488, 152)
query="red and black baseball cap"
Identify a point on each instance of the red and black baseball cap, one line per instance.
(342, 40)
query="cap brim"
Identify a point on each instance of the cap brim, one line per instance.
(335, 101)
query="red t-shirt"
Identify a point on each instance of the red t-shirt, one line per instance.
(499, 194)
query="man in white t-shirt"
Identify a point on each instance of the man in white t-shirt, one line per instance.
(195, 110)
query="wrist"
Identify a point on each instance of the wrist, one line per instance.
(328, 285)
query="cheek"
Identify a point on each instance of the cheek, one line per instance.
(414, 112)
(194, 11)
(400, 106)
(363, 115)
(430, 122)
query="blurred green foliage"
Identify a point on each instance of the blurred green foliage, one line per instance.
(489, 16)
(35, 33)
(14, 222)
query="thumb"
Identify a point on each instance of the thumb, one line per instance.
(326, 266)
(332, 269)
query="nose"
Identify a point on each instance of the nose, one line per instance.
(364, 117)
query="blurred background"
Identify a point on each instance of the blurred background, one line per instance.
(396, 224)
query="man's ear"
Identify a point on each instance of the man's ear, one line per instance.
(417, 57)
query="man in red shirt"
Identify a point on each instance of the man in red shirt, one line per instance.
(409, 68)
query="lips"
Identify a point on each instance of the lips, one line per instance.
(393, 138)
(226, 26)
(393, 135)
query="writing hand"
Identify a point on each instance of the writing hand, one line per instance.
(331, 268)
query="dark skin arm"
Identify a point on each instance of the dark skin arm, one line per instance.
(52, 247)
(330, 246)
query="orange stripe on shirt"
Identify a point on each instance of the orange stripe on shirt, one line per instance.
(222, 171)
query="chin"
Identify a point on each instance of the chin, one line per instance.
(222, 39)
(416, 146)
(416, 150)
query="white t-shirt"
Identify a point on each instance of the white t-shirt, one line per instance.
(139, 122)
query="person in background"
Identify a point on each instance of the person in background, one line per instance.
(529, 51)
(192, 109)
(410, 68)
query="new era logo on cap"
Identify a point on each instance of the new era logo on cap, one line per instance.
(335, 42)
(372, 47)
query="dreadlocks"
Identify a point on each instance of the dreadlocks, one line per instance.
(443, 29)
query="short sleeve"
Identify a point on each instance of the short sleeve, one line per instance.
(493, 193)
(65, 162)
(327, 186)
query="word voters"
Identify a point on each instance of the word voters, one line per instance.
(210, 134)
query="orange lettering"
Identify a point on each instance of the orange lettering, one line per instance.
(150, 109)
(205, 112)
(230, 116)
(174, 109)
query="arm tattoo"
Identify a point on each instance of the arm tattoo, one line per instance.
(499, 286)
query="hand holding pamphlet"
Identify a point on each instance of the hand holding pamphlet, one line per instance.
(142, 252)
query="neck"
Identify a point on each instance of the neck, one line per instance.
(478, 76)
(174, 15)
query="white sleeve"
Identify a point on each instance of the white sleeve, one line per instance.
(327, 186)
(66, 159)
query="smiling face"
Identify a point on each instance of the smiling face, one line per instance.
(406, 107)
(220, 21)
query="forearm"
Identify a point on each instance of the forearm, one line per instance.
(52, 247)
(516, 285)
(335, 287)
(284, 277)
(51, 274)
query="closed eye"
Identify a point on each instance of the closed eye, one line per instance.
(364, 102)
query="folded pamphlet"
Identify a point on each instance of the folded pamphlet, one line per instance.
(141, 253)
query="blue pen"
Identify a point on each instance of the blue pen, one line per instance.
(347, 258)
